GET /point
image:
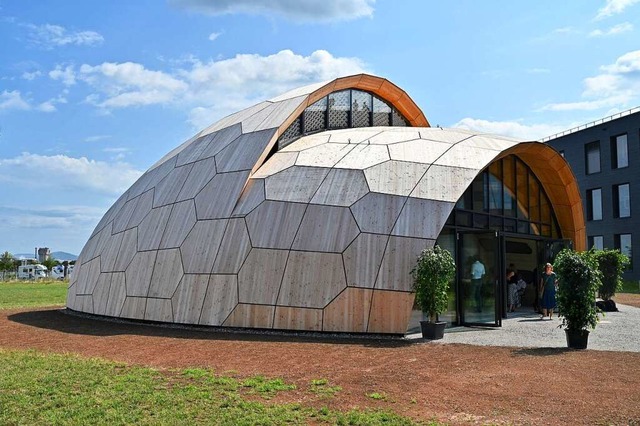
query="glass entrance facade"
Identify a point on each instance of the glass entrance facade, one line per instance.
(506, 197)
(502, 213)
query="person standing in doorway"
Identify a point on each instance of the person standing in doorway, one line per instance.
(477, 273)
(548, 284)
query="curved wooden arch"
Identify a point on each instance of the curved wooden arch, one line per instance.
(560, 184)
(381, 87)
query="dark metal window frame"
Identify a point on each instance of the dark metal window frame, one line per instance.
(616, 199)
(394, 116)
(590, 215)
(484, 219)
(587, 149)
(614, 151)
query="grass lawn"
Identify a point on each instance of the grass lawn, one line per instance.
(38, 388)
(23, 294)
(630, 287)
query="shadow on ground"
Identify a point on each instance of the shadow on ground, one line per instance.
(540, 352)
(66, 321)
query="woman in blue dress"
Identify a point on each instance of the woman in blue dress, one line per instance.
(548, 285)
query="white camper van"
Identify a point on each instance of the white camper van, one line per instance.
(31, 272)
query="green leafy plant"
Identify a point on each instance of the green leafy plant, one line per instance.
(377, 396)
(267, 387)
(322, 388)
(578, 280)
(432, 274)
(611, 264)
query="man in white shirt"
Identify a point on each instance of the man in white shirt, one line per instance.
(477, 272)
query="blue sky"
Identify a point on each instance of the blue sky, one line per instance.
(92, 93)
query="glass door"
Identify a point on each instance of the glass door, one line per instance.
(553, 247)
(479, 278)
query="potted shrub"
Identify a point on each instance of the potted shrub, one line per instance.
(432, 274)
(578, 282)
(611, 264)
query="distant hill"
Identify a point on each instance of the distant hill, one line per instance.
(58, 255)
(63, 255)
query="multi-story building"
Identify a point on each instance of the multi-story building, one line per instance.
(605, 157)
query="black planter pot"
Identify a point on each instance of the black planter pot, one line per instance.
(432, 330)
(577, 339)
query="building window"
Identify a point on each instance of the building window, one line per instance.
(623, 243)
(507, 196)
(594, 204)
(619, 152)
(621, 201)
(596, 242)
(592, 157)
(340, 110)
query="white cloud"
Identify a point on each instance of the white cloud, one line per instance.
(514, 129)
(211, 89)
(12, 100)
(49, 106)
(294, 10)
(214, 36)
(96, 138)
(31, 75)
(50, 36)
(614, 7)
(66, 75)
(616, 29)
(51, 217)
(130, 84)
(618, 86)
(61, 171)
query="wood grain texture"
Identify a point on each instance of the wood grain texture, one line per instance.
(152, 228)
(274, 224)
(201, 173)
(138, 273)
(349, 312)
(287, 318)
(218, 198)
(117, 294)
(158, 310)
(142, 209)
(377, 213)
(295, 184)
(252, 316)
(311, 280)
(390, 312)
(134, 307)
(189, 297)
(362, 259)
(168, 189)
(341, 188)
(181, 221)
(110, 253)
(221, 299)
(167, 273)
(421, 218)
(252, 195)
(326, 229)
(200, 248)
(128, 249)
(395, 177)
(260, 276)
(364, 156)
(399, 259)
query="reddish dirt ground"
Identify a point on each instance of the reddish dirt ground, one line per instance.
(455, 384)
(628, 299)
